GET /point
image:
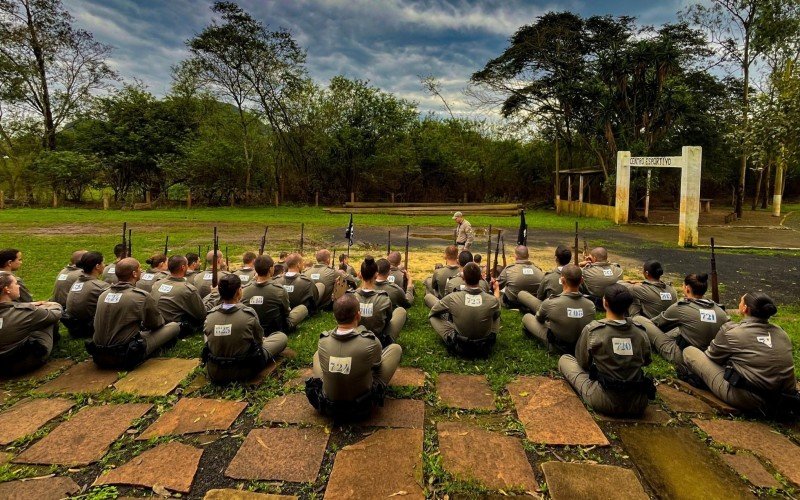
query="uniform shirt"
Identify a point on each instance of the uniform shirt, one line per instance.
(522, 275)
(231, 331)
(465, 234)
(440, 277)
(349, 360)
(475, 313)
(148, 278)
(301, 290)
(551, 284)
(456, 283)
(758, 350)
(651, 298)
(270, 302)
(83, 296)
(66, 277)
(376, 309)
(619, 349)
(110, 274)
(202, 280)
(19, 320)
(123, 311)
(697, 320)
(396, 276)
(190, 274)
(396, 294)
(178, 300)
(598, 275)
(320, 273)
(245, 274)
(566, 315)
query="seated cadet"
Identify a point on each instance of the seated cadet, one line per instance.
(349, 273)
(178, 300)
(157, 272)
(397, 274)
(351, 369)
(606, 370)
(399, 298)
(562, 317)
(475, 316)
(598, 273)
(193, 266)
(109, 274)
(521, 276)
(456, 283)
(302, 291)
(127, 325)
(692, 321)
(652, 296)
(26, 329)
(280, 266)
(202, 280)
(749, 364)
(10, 262)
(377, 314)
(271, 301)
(550, 285)
(66, 277)
(246, 273)
(82, 298)
(323, 276)
(435, 285)
(236, 348)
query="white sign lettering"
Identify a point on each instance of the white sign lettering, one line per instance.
(113, 298)
(574, 313)
(112, 270)
(622, 346)
(256, 300)
(473, 300)
(340, 365)
(62, 277)
(222, 330)
(76, 287)
(666, 296)
(656, 161)
(708, 315)
(165, 288)
(366, 308)
(766, 340)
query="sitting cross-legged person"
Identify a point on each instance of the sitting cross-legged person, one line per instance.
(177, 299)
(271, 301)
(377, 313)
(83, 296)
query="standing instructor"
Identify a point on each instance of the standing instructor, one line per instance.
(464, 232)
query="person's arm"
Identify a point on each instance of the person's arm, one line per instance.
(196, 308)
(42, 317)
(258, 331)
(720, 348)
(496, 317)
(503, 278)
(542, 314)
(440, 307)
(582, 354)
(668, 319)
(211, 300)
(470, 236)
(152, 317)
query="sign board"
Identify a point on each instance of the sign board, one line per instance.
(656, 161)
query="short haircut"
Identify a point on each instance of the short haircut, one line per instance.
(521, 252)
(283, 255)
(563, 255)
(210, 256)
(175, 262)
(464, 258)
(369, 268)
(263, 264)
(345, 308)
(572, 274)
(654, 268)
(451, 252)
(384, 267)
(191, 258)
(342, 257)
(279, 269)
(472, 274)
(249, 257)
(90, 260)
(228, 285)
(477, 258)
(294, 260)
(125, 268)
(600, 254)
(343, 267)
(156, 260)
(697, 282)
(760, 304)
(323, 256)
(394, 258)
(5, 280)
(8, 255)
(76, 257)
(119, 250)
(618, 297)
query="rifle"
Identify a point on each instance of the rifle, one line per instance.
(214, 280)
(455, 236)
(333, 259)
(302, 236)
(389, 244)
(124, 240)
(227, 264)
(405, 262)
(714, 277)
(576, 243)
(130, 242)
(496, 253)
(489, 255)
(503, 246)
(263, 241)
(166, 246)
(585, 248)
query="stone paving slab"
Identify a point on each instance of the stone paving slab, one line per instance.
(759, 439)
(468, 392)
(677, 464)
(300, 379)
(5, 457)
(707, 397)
(44, 371)
(553, 414)
(192, 415)
(407, 377)
(280, 454)
(653, 414)
(266, 372)
(49, 488)
(157, 376)
(228, 494)
(567, 481)
(84, 377)
(680, 401)
(748, 466)
(403, 413)
(171, 466)
(394, 460)
(26, 417)
(85, 437)
(197, 383)
(497, 461)
(292, 409)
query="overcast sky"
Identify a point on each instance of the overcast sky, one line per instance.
(388, 42)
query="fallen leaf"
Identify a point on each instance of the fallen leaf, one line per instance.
(399, 494)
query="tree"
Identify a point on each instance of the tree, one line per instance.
(67, 172)
(47, 66)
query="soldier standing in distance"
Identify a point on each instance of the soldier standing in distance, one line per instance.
(464, 232)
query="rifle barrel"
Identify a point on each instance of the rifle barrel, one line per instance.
(124, 240)
(576, 243)
(166, 246)
(389, 243)
(489, 254)
(405, 262)
(214, 280)
(714, 276)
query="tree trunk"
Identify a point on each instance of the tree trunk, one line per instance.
(745, 105)
(758, 188)
(765, 199)
(49, 139)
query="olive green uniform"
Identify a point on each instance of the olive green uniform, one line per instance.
(618, 349)
(436, 284)
(110, 274)
(179, 301)
(66, 277)
(397, 276)
(551, 284)
(687, 322)
(245, 274)
(518, 277)
(302, 291)
(457, 284)
(270, 301)
(82, 305)
(203, 280)
(560, 320)
(760, 352)
(377, 314)
(148, 278)
(474, 316)
(396, 294)
(123, 312)
(234, 331)
(598, 275)
(24, 293)
(26, 336)
(323, 278)
(465, 235)
(651, 298)
(348, 361)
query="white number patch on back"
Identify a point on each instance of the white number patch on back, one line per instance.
(148, 276)
(340, 365)
(666, 296)
(62, 277)
(76, 287)
(112, 270)
(574, 313)
(208, 276)
(608, 272)
(288, 288)
(315, 276)
(766, 340)
(366, 308)
(527, 271)
(622, 346)
(256, 300)
(222, 330)
(113, 298)
(473, 300)
(245, 278)
(461, 287)
(391, 278)
(164, 288)
(708, 315)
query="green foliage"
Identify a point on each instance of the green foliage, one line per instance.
(67, 172)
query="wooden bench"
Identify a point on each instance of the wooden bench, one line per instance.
(705, 205)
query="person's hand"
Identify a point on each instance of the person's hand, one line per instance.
(496, 288)
(408, 276)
